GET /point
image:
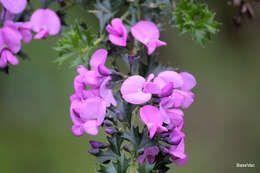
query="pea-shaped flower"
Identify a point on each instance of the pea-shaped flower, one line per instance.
(14, 6)
(10, 43)
(117, 32)
(132, 90)
(153, 119)
(45, 22)
(147, 33)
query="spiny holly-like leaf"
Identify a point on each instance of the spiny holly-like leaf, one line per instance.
(123, 163)
(77, 44)
(103, 12)
(125, 109)
(105, 156)
(139, 140)
(115, 143)
(161, 163)
(146, 168)
(46, 3)
(197, 19)
(119, 166)
(111, 168)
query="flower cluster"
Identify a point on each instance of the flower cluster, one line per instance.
(144, 31)
(88, 107)
(159, 99)
(172, 89)
(43, 22)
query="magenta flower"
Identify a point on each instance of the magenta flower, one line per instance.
(189, 81)
(177, 153)
(153, 119)
(45, 22)
(10, 43)
(23, 29)
(99, 76)
(178, 99)
(148, 155)
(166, 77)
(117, 32)
(132, 90)
(93, 78)
(14, 6)
(147, 33)
(87, 115)
(176, 119)
(7, 15)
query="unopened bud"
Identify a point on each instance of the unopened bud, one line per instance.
(108, 123)
(96, 144)
(140, 151)
(93, 151)
(126, 148)
(111, 131)
(119, 115)
(164, 149)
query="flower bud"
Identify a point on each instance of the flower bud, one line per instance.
(164, 149)
(119, 115)
(111, 131)
(126, 148)
(108, 123)
(93, 151)
(96, 144)
(140, 151)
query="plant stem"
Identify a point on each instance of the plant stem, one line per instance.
(101, 38)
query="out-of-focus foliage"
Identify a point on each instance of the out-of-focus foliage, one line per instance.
(77, 44)
(197, 19)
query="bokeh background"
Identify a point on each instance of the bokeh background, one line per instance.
(222, 125)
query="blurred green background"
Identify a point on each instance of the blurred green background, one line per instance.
(222, 125)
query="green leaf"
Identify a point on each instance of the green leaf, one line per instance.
(76, 45)
(139, 140)
(197, 19)
(115, 143)
(146, 168)
(123, 163)
(103, 12)
(107, 155)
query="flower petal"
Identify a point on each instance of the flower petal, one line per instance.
(98, 58)
(189, 81)
(91, 127)
(14, 6)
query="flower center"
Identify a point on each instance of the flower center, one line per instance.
(147, 40)
(150, 125)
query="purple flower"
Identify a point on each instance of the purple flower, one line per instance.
(87, 115)
(95, 79)
(10, 43)
(7, 15)
(14, 6)
(189, 81)
(166, 77)
(23, 29)
(96, 144)
(148, 155)
(147, 33)
(136, 89)
(117, 32)
(153, 119)
(177, 151)
(45, 22)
